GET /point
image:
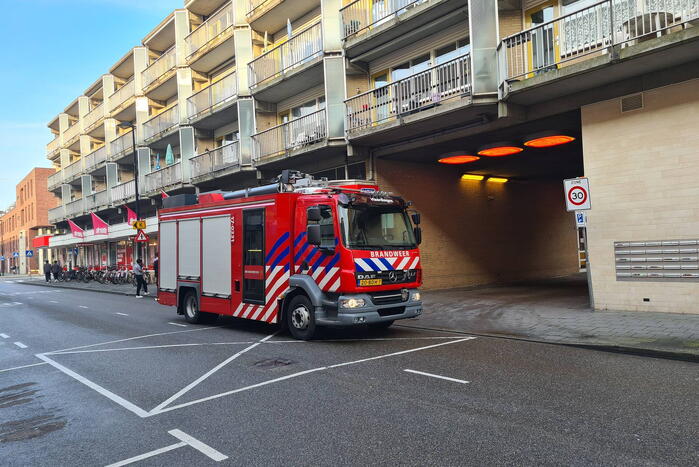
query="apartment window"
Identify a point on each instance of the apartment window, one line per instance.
(227, 139)
(411, 67)
(356, 171)
(302, 110)
(451, 51)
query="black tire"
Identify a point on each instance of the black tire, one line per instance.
(300, 318)
(381, 326)
(190, 309)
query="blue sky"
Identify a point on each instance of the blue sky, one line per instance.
(52, 51)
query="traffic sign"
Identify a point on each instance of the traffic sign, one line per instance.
(580, 219)
(141, 236)
(2, 258)
(577, 193)
(15, 254)
(29, 253)
(139, 225)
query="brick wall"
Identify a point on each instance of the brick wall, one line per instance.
(643, 167)
(483, 233)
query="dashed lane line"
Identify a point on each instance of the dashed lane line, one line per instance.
(82, 306)
(20, 345)
(148, 454)
(4, 336)
(178, 324)
(121, 314)
(185, 440)
(23, 366)
(431, 375)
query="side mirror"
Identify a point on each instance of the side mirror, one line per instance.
(313, 234)
(416, 218)
(418, 235)
(313, 214)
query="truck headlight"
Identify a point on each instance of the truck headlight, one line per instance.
(352, 303)
(416, 296)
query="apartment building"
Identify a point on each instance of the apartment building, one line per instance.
(25, 228)
(476, 110)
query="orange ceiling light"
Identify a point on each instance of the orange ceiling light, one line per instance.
(458, 159)
(499, 150)
(548, 140)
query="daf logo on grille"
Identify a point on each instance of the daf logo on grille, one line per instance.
(392, 276)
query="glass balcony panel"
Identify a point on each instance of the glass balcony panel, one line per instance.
(159, 67)
(95, 158)
(121, 146)
(213, 95)
(123, 94)
(123, 191)
(209, 29)
(162, 122)
(216, 159)
(167, 176)
(93, 117)
(361, 15)
(291, 136)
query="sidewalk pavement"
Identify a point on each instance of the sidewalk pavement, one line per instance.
(553, 311)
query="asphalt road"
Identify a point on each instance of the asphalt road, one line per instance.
(97, 379)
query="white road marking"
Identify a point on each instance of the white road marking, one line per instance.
(53, 301)
(20, 345)
(23, 366)
(108, 394)
(147, 347)
(437, 376)
(18, 303)
(131, 460)
(157, 411)
(82, 306)
(194, 383)
(291, 341)
(4, 336)
(122, 314)
(205, 449)
(178, 324)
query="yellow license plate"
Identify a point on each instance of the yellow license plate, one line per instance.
(370, 282)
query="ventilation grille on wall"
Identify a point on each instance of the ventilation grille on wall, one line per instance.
(632, 102)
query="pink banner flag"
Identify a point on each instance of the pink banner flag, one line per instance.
(130, 216)
(99, 227)
(75, 230)
(163, 194)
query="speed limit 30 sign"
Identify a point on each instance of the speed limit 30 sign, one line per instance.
(577, 193)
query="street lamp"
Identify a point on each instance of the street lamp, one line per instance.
(124, 126)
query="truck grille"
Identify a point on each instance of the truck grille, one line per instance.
(389, 277)
(387, 298)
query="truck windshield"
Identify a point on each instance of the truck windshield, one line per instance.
(375, 228)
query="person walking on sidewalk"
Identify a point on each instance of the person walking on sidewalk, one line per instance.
(56, 270)
(47, 270)
(140, 282)
(156, 268)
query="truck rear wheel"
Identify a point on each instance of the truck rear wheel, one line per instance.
(190, 305)
(300, 318)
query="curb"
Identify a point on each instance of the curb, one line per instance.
(113, 292)
(611, 348)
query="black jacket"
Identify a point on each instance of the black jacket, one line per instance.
(55, 269)
(47, 268)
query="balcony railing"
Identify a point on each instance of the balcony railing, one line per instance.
(70, 171)
(216, 159)
(123, 191)
(93, 117)
(297, 51)
(97, 199)
(291, 136)
(95, 158)
(161, 123)
(361, 15)
(53, 145)
(121, 146)
(219, 92)
(412, 94)
(209, 29)
(170, 175)
(123, 94)
(158, 68)
(253, 5)
(71, 133)
(591, 30)
(54, 180)
(57, 214)
(75, 208)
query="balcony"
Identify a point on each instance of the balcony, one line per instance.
(122, 98)
(160, 71)
(216, 160)
(75, 208)
(298, 135)
(72, 171)
(54, 181)
(123, 191)
(202, 106)
(95, 159)
(97, 200)
(372, 28)
(163, 178)
(161, 124)
(440, 89)
(271, 15)
(121, 146)
(53, 148)
(70, 136)
(57, 214)
(211, 43)
(294, 62)
(93, 118)
(592, 47)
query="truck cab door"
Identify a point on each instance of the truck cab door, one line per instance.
(253, 256)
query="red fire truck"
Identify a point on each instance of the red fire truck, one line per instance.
(301, 252)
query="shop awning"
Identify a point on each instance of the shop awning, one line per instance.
(41, 242)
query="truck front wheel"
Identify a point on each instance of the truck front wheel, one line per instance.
(300, 318)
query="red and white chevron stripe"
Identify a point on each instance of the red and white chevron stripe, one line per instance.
(276, 283)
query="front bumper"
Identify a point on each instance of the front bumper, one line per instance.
(368, 314)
